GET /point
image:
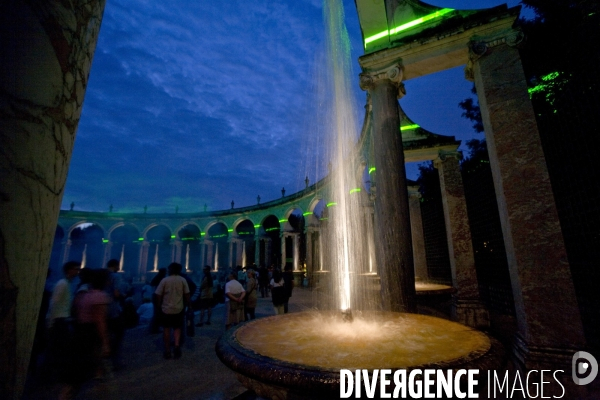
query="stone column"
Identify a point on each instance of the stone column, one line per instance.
(67, 250)
(107, 253)
(418, 237)
(309, 251)
(296, 251)
(203, 254)
(178, 246)
(392, 223)
(231, 263)
(467, 307)
(257, 250)
(268, 252)
(548, 318)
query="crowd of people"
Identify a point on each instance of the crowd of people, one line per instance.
(85, 314)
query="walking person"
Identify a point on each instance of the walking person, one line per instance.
(154, 323)
(173, 294)
(206, 296)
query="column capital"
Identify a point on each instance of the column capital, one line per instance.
(444, 155)
(480, 47)
(393, 73)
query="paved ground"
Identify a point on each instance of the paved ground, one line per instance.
(198, 375)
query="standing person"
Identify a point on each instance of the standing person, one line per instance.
(116, 324)
(162, 273)
(206, 295)
(263, 281)
(173, 295)
(288, 284)
(251, 295)
(234, 301)
(241, 276)
(278, 291)
(60, 321)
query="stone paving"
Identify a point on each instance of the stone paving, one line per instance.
(198, 375)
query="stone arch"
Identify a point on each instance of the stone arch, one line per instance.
(184, 224)
(124, 245)
(87, 244)
(160, 253)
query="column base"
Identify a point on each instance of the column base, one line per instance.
(472, 313)
(558, 361)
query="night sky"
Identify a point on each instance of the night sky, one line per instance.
(196, 102)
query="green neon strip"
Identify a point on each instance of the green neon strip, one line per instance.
(408, 25)
(331, 204)
(219, 236)
(308, 213)
(104, 240)
(141, 239)
(272, 229)
(409, 127)
(324, 219)
(245, 233)
(230, 230)
(257, 226)
(202, 233)
(172, 236)
(283, 220)
(354, 190)
(372, 169)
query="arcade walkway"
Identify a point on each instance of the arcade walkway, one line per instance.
(198, 375)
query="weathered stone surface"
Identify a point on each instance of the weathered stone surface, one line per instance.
(418, 239)
(545, 302)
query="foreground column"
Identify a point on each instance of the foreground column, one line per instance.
(549, 323)
(46, 50)
(393, 242)
(467, 307)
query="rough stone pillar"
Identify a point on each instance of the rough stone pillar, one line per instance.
(418, 237)
(392, 223)
(548, 318)
(467, 307)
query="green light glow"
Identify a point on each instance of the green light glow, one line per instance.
(407, 25)
(218, 236)
(230, 230)
(140, 239)
(257, 226)
(308, 213)
(104, 240)
(409, 127)
(283, 220)
(245, 233)
(202, 233)
(355, 190)
(331, 204)
(173, 236)
(372, 169)
(324, 219)
(272, 229)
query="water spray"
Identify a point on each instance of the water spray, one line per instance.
(347, 315)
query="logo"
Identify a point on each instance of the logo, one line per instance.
(584, 368)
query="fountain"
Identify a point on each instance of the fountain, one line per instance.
(300, 355)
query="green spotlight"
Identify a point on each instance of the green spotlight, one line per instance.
(333, 203)
(409, 127)
(372, 169)
(355, 190)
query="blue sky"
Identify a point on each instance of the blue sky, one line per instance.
(194, 102)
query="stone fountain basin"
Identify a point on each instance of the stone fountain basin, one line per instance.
(300, 355)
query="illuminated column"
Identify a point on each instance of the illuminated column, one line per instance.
(296, 251)
(548, 318)
(370, 238)
(467, 307)
(68, 245)
(418, 238)
(393, 242)
(283, 252)
(143, 265)
(107, 251)
(177, 246)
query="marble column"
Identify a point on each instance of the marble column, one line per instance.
(418, 237)
(467, 307)
(309, 250)
(178, 247)
(283, 250)
(143, 265)
(393, 242)
(296, 251)
(548, 318)
(67, 250)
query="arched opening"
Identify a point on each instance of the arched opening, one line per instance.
(125, 247)
(294, 241)
(218, 255)
(245, 247)
(270, 249)
(87, 245)
(160, 252)
(190, 247)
